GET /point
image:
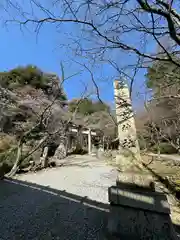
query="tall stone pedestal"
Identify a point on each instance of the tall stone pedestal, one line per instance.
(139, 214)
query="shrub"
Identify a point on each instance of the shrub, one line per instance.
(29, 75)
(142, 143)
(4, 168)
(79, 151)
(7, 159)
(6, 142)
(164, 148)
(25, 163)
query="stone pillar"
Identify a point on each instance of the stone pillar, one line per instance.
(44, 158)
(103, 141)
(89, 142)
(69, 143)
(129, 153)
(79, 142)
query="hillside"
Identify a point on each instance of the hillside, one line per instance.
(34, 117)
(25, 93)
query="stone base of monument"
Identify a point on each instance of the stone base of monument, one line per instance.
(137, 214)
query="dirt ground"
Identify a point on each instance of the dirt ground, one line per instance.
(66, 203)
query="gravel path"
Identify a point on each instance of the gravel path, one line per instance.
(69, 202)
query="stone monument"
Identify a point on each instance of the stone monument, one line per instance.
(128, 158)
(137, 211)
(129, 153)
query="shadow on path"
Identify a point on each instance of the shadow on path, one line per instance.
(31, 211)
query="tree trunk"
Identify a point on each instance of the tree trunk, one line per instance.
(18, 158)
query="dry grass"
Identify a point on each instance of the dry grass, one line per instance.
(164, 168)
(169, 170)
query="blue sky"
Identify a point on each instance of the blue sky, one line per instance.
(22, 47)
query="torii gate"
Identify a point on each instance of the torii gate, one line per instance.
(87, 132)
